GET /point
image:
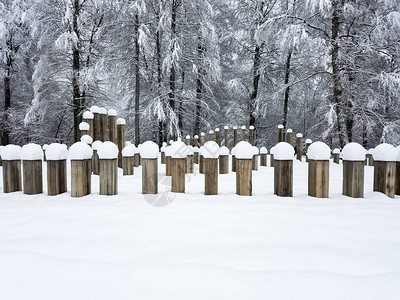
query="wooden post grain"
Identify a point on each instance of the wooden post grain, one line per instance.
(149, 176)
(217, 136)
(353, 179)
(384, 177)
(96, 126)
(128, 165)
(108, 176)
(95, 163)
(168, 165)
(88, 118)
(251, 135)
(189, 164)
(211, 135)
(255, 162)
(196, 156)
(112, 129)
(56, 177)
(12, 176)
(80, 181)
(299, 147)
(211, 176)
(226, 136)
(397, 181)
(178, 166)
(32, 177)
(308, 143)
(283, 178)
(289, 134)
(280, 133)
(243, 133)
(234, 144)
(244, 177)
(370, 159)
(318, 178)
(103, 124)
(223, 164)
(121, 139)
(336, 158)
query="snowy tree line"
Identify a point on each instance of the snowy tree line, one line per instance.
(326, 68)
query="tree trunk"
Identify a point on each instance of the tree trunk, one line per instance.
(172, 71)
(287, 89)
(77, 104)
(199, 85)
(137, 80)
(161, 124)
(256, 80)
(7, 100)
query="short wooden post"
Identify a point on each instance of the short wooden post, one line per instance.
(211, 135)
(353, 179)
(289, 134)
(223, 160)
(149, 153)
(189, 159)
(95, 158)
(103, 124)
(121, 138)
(280, 133)
(84, 128)
(226, 136)
(196, 141)
(163, 147)
(318, 170)
(370, 157)
(244, 153)
(217, 136)
(385, 157)
(79, 154)
(108, 161)
(336, 155)
(32, 156)
(128, 154)
(263, 156)
(308, 143)
(271, 157)
(234, 144)
(255, 158)
(11, 156)
(56, 177)
(188, 140)
(168, 165)
(251, 135)
(196, 155)
(87, 117)
(243, 128)
(283, 169)
(178, 165)
(96, 123)
(112, 126)
(299, 147)
(210, 176)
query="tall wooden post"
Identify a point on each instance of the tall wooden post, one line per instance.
(87, 117)
(188, 140)
(121, 139)
(234, 144)
(243, 133)
(251, 135)
(263, 156)
(318, 170)
(283, 169)
(280, 133)
(189, 159)
(271, 157)
(336, 155)
(95, 158)
(211, 135)
(223, 160)
(11, 156)
(57, 155)
(112, 126)
(289, 134)
(217, 136)
(96, 123)
(308, 143)
(299, 147)
(196, 141)
(196, 155)
(385, 157)
(1, 149)
(32, 156)
(226, 136)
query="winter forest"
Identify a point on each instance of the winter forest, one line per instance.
(329, 69)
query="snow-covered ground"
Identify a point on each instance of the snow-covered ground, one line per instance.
(201, 247)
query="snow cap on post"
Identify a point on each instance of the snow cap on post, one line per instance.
(178, 150)
(56, 151)
(210, 150)
(299, 135)
(308, 141)
(398, 153)
(80, 151)
(280, 126)
(385, 152)
(102, 111)
(211, 132)
(202, 134)
(188, 137)
(196, 149)
(45, 147)
(108, 150)
(255, 150)
(217, 129)
(289, 130)
(11, 152)
(128, 143)
(87, 139)
(283, 151)
(96, 145)
(196, 136)
(94, 109)
(226, 127)
(371, 151)
(128, 151)
(243, 150)
(163, 147)
(272, 150)
(32, 152)
(88, 115)
(319, 151)
(263, 150)
(164, 144)
(336, 151)
(112, 112)
(353, 152)
(84, 126)
(251, 127)
(243, 127)
(121, 121)
(149, 150)
(223, 151)
(190, 150)
(234, 127)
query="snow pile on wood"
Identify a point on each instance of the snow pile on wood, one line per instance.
(210, 150)
(56, 151)
(96, 145)
(102, 111)
(112, 112)
(280, 126)
(86, 139)
(223, 151)
(31, 152)
(128, 151)
(149, 150)
(178, 150)
(121, 121)
(263, 150)
(80, 151)
(108, 150)
(308, 141)
(243, 150)
(353, 152)
(299, 135)
(190, 150)
(319, 151)
(11, 152)
(283, 151)
(84, 126)
(94, 109)
(336, 151)
(256, 151)
(289, 130)
(88, 115)
(385, 152)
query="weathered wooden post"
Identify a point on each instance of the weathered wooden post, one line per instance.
(196, 141)
(57, 155)
(149, 154)
(319, 155)
(283, 169)
(168, 154)
(217, 136)
(11, 156)
(81, 183)
(103, 124)
(87, 117)
(32, 156)
(271, 157)
(385, 158)
(281, 133)
(223, 160)
(189, 159)
(243, 128)
(188, 140)
(371, 157)
(112, 125)
(121, 138)
(397, 181)
(299, 146)
(178, 165)
(96, 123)
(210, 153)
(196, 155)
(256, 152)
(308, 143)
(226, 136)
(139, 157)
(251, 135)
(234, 144)
(108, 160)
(211, 135)
(336, 154)
(95, 158)
(163, 147)
(263, 156)
(202, 141)
(243, 153)
(84, 128)
(289, 134)
(127, 160)
(353, 170)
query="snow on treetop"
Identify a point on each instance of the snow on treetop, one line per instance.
(283, 151)
(83, 126)
(202, 134)
(32, 152)
(385, 152)
(353, 152)
(88, 115)
(251, 127)
(56, 151)
(217, 129)
(121, 121)
(299, 135)
(86, 139)
(226, 127)
(243, 150)
(289, 130)
(178, 150)
(96, 145)
(263, 150)
(112, 112)
(211, 132)
(94, 109)
(280, 126)
(243, 127)
(80, 151)
(128, 151)
(319, 151)
(336, 151)
(255, 150)
(11, 152)
(196, 137)
(190, 150)
(210, 150)
(108, 150)
(234, 127)
(102, 111)
(149, 149)
(196, 149)
(308, 141)
(223, 151)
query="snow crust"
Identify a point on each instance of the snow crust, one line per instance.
(121, 121)
(94, 109)
(11, 152)
(80, 151)
(223, 151)
(96, 145)
(289, 130)
(243, 150)
(112, 112)
(210, 149)
(263, 150)
(353, 152)
(280, 126)
(102, 111)
(256, 151)
(86, 139)
(108, 150)
(190, 150)
(149, 149)
(319, 151)
(336, 151)
(178, 150)
(308, 141)
(128, 151)
(299, 135)
(84, 126)
(31, 152)
(88, 115)
(56, 151)
(385, 152)
(283, 151)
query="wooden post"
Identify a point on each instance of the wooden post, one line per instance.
(263, 156)
(243, 133)
(202, 141)
(56, 177)
(112, 126)
(308, 143)
(210, 176)
(44, 151)
(271, 157)
(149, 176)
(318, 178)
(87, 117)
(289, 134)
(136, 160)
(168, 165)
(384, 177)
(223, 160)
(217, 136)
(244, 177)
(84, 128)
(370, 157)
(234, 144)
(280, 133)
(188, 140)
(1, 160)
(251, 135)
(11, 176)
(96, 123)
(196, 141)
(128, 154)
(178, 166)
(299, 138)
(336, 155)
(164, 146)
(283, 178)
(32, 177)
(226, 136)
(397, 181)
(189, 159)
(196, 155)
(80, 181)
(121, 138)
(108, 176)
(255, 158)
(353, 179)
(103, 124)
(211, 135)
(95, 163)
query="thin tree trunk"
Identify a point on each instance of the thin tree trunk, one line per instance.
(137, 80)
(287, 89)
(75, 74)
(172, 76)
(256, 80)
(199, 85)
(180, 108)
(161, 124)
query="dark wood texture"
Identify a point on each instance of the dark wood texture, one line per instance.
(108, 177)
(128, 165)
(318, 178)
(244, 177)
(149, 176)
(178, 166)
(189, 164)
(95, 163)
(168, 165)
(283, 178)
(32, 177)
(103, 127)
(56, 177)
(263, 160)
(353, 179)
(385, 177)
(80, 181)
(121, 139)
(112, 129)
(299, 147)
(12, 176)
(210, 176)
(255, 163)
(223, 164)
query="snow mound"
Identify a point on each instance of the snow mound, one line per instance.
(283, 151)
(255, 150)
(223, 151)
(121, 121)
(299, 135)
(45, 147)
(216, 129)
(336, 151)
(226, 127)
(108, 150)
(319, 151)
(196, 137)
(128, 143)
(280, 126)
(263, 150)
(210, 150)
(202, 134)
(88, 115)
(371, 151)
(56, 151)
(11, 152)
(251, 127)
(80, 151)
(138, 149)
(128, 151)
(234, 127)
(32, 152)
(86, 139)
(243, 150)
(84, 126)
(289, 130)
(353, 152)
(308, 141)
(211, 132)
(112, 112)
(96, 145)
(164, 144)
(94, 109)
(149, 149)
(243, 127)
(190, 150)
(188, 137)
(102, 111)
(178, 150)
(385, 152)
(196, 149)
